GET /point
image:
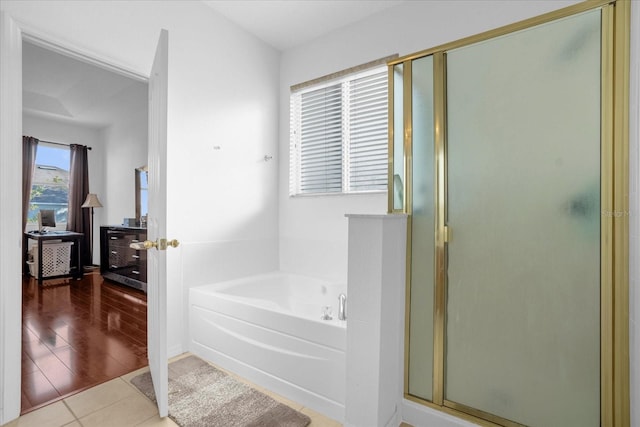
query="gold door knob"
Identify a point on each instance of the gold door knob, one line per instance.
(143, 246)
(160, 244)
(148, 244)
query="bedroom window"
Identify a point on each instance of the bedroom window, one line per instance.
(338, 133)
(50, 184)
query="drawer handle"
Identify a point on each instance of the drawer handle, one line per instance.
(135, 271)
(114, 266)
(114, 252)
(113, 238)
(135, 256)
(135, 240)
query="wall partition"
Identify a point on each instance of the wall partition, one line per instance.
(508, 151)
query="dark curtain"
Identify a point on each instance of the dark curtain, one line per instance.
(29, 149)
(77, 217)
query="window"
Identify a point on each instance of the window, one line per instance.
(339, 135)
(50, 183)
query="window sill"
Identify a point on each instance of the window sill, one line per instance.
(359, 193)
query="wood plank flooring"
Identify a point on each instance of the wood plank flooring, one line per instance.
(77, 334)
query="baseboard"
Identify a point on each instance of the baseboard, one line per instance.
(423, 416)
(395, 419)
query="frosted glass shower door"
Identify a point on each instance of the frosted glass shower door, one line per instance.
(523, 287)
(420, 380)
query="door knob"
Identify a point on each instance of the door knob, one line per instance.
(160, 244)
(173, 243)
(143, 246)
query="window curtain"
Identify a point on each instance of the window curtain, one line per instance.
(29, 149)
(78, 218)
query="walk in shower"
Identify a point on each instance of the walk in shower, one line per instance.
(506, 154)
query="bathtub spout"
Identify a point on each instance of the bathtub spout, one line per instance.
(342, 307)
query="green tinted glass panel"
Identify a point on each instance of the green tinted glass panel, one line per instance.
(523, 308)
(422, 235)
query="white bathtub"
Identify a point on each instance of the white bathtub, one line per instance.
(268, 329)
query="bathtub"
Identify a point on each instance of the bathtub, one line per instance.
(268, 329)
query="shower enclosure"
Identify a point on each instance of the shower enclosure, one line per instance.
(508, 153)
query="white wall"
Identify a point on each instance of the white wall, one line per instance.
(57, 131)
(125, 149)
(223, 88)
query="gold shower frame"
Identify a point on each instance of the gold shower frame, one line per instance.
(614, 299)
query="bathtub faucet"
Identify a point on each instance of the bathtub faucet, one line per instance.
(342, 307)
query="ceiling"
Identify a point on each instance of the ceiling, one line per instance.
(61, 88)
(65, 89)
(285, 24)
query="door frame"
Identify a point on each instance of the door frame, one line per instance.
(12, 34)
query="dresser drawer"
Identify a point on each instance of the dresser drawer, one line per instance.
(125, 256)
(118, 261)
(122, 239)
(131, 271)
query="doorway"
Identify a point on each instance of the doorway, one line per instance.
(77, 334)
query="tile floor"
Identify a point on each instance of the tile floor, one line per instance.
(118, 403)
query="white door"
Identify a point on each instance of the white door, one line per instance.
(157, 225)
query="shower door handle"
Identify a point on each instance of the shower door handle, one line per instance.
(446, 234)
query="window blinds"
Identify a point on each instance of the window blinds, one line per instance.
(321, 140)
(368, 112)
(339, 136)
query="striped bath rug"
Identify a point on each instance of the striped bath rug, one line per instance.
(201, 395)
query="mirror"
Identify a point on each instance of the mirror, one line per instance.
(142, 190)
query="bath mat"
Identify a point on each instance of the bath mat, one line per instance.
(201, 395)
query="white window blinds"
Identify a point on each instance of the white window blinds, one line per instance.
(321, 140)
(339, 135)
(368, 112)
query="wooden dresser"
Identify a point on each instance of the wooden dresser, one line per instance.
(119, 262)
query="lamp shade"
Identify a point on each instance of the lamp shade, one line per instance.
(92, 201)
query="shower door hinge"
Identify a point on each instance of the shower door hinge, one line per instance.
(446, 234)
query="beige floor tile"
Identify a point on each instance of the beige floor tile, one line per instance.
(73, 424)
(319, 420)
(290, 403)
(54, 415)
(126, 412)
(156, 421)
(99, 397)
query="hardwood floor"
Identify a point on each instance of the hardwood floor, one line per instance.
(77, 334)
